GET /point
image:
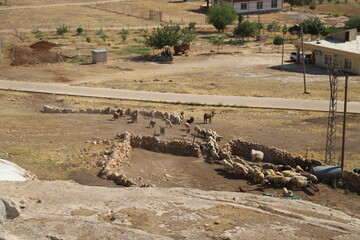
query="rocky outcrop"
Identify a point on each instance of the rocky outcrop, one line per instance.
(274, 155)
(8, 209)
(71, 211)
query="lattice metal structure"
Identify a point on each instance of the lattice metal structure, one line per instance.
(331, 127)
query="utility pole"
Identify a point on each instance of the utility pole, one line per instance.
(1, 43)
(344, 124)
(303, 57)
(331, 128)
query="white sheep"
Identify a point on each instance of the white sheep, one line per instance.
(256, 155)
(258, 176)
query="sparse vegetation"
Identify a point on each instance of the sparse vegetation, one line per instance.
(124, 34)
(218, 41)
(38, 34)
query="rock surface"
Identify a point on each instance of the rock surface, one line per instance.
(66, 210)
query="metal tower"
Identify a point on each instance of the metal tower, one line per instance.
(331, 127)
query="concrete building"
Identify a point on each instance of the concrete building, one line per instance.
(342, 47)
(253, 6)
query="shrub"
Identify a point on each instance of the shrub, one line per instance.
(79, 30)
(217, 41)
(62, 29)
(124, 33)
(38, 34)
(88, 39)
(192, 26)
(312, 7)
(353, 22)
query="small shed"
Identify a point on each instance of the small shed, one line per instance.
(99, 56)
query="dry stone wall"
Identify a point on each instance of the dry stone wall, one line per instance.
(353, 179)
(121, 151)
(274, 155)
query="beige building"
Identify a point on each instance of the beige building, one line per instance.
(253, 6)
(342, 47)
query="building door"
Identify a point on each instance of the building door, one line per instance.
(347, 36)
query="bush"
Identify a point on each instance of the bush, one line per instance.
(217, 40)
(312, 7)
(247, 29)
(88, 39)
(79, 30)
(61, 30)
(220, 15)
(192, 26)
(124, 33)
(38, 34)
(321, 1)
(353, 22)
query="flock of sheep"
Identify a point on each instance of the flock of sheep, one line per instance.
(268, 173)
(169, 118)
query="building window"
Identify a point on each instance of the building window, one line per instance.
(259, 5)
(274, 4)
(347, 63)
(243, 6)
(328, 59)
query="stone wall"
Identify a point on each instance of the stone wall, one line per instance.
(120, 154)
(274, 155)
(353, 179)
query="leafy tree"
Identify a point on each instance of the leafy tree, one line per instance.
(220, 15)
(124, 33)
(88, 39)
(328, 30)
(312, 7)
(313, 26)
(247, 29)
(62, 29)
(168, 35)
(284, 29)
(217, 40)
(79, 30)
(278, 41)
(353, 22)
(192, 26)
(273, 27)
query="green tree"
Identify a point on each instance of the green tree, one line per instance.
(297, 2)
(220, 15)
(247, 29)
(353, 22)
(62, 29)
(273, 27)
(278, 41)
(218, 41)
(313, 26)
(240, 18)
(168, 35)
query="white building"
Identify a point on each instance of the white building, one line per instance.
(253, 6)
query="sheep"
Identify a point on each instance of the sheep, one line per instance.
(270, 178)
(287, 193)
(298, 169)
(228, 166)
(168, 123)
(256, 155)
(295, 179)
(214, 154)
(356, 170)
(152, 124)
(300, 183)
(278, 180)
(258, 176)
(162, 130)
(208, 116)
(187, 125)
(134, 116)
(182, 114)
(188, 131)
(264, 183)
(311, 178)
(288, 173)
(190, 120)
(240, 169)
(285, 181)
(197, 130)
(127, 112)
(117, 115)
(166, 115)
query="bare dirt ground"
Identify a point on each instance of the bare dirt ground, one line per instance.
(52, 145)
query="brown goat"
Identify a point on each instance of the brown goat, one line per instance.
(208, 116)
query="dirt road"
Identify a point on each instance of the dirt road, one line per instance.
(258, 102)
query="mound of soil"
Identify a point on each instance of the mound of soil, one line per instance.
(43, 46)
(31, 56)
